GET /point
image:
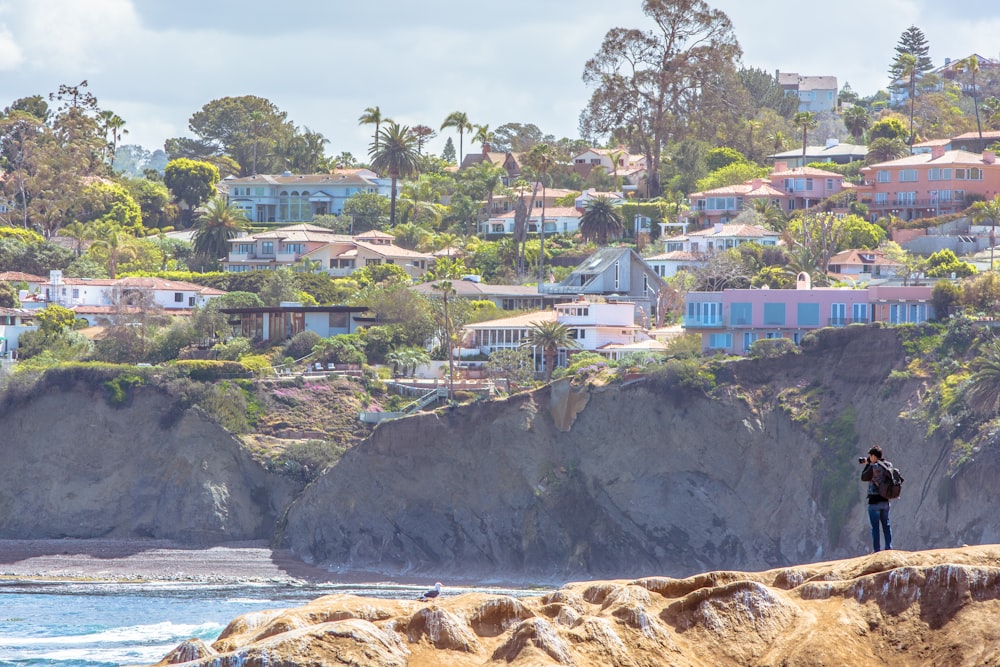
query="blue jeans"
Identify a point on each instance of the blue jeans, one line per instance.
(879, 513)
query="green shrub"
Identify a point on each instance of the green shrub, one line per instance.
(309, 458)
(771, 348)
(118, 388)
(258, 364)
(232, 350)
(301, 345)
(206, 370)
(679, 377)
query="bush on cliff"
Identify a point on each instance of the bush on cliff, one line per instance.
(206, 370)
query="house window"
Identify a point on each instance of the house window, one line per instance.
(707, 313)
(741, 314)
(838, 314)
(497, 228)
(295, 248)
(178, 297)
(267, 247)
(973, 174)
(372, 262)
(809, 184)
(944, 196)
(882, 198)
(829, 185)
(720, 341)
(617, 268)
(774, 313)
(859, 312)
(748, 340)
(908, 176)
(807, 314)
(645, 285)
(938, 174)
(244, 248)
(906, 198)
(76, 293)
(883, 176)
(338, 320)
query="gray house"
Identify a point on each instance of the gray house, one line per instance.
(616, 274)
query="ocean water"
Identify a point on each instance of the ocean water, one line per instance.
(63, 624)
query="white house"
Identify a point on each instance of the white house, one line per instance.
(558, 220)
(692, 250)
(593, 325)
(862, 266)
(580, 202)
(14, 322)
(292, 197)
(96, 299)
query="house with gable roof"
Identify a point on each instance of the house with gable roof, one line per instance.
(339, 255)
(509, 161)
(815, 93)
(833, 151)
(692, 250)
(289, 197)
(862, 265)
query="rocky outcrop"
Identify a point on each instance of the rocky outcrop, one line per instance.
(648, 477)
(894, 608)
(74, 466)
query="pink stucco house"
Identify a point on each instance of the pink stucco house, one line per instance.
(791, 189)
(929, 184)
(731, 320)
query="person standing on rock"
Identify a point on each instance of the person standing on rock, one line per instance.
(878, 505)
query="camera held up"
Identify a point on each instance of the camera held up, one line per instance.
(862, 459)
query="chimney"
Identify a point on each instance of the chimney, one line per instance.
(486, 147)
(938, 151)
(718, 228)
(756, 183)
(989, 157)
(832, 141)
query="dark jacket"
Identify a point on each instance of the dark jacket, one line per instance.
(873, 475)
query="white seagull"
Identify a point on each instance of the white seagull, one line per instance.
(432, 593)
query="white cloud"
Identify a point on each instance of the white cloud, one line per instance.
(10, 52)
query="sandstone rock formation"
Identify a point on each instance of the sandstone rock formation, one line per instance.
(893, 608)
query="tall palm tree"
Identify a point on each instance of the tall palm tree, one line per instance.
(884, 149)
(117, 243)
(394, 153)
(988, 211)
(541, 158)
(79, 232)
(219, 221)
(616, 155)
(373, 116)
(982, 389)
(460, 121)
(971, 65)
(601, 219)
(770, 213)
(446, 290)
(857, 121)
(805, 121)
(548, 338)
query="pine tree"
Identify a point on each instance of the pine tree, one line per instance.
(448, 154)
(914, 42)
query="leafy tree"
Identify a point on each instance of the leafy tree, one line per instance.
(112, 245)
(153, 199)
(8, 296)
(210, 322)
(218, 222)
(54, 319)
(887, 128)
(422, 134)
(34, 105)
(765, 92)
(944, 263)
(983, 212)
(981, 293)
(907, 64)
(548, 338)
(109, 202)
(373, 116)
(378, 274)
(732, 174)
(395, 154)
(601, 220)
(657, 85)
(946, 299)
(341, 349)
(518, 137)
(279, 286)
(301, 344)
(512, 365)
(723, 156)
(192, 182)
(368, 210)
(460, 122)
(884, 150)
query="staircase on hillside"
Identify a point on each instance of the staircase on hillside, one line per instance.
(419, 404)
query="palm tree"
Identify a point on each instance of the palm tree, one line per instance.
(446, 290)
(857, 121)
(482, 135)
(394, 153)
(805, 121)
(982, 389)
(219, 221)
(118, 243)
(971, 65)
(541, 158)
(549, 337)
(373, 116)
(460, 121)
(770, 212)
(884, 149)
(616, 155)
(79, 232)
(988, 211)
(600, 220)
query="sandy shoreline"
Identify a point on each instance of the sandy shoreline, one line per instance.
(162, 560)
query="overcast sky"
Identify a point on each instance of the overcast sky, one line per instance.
(155, 62)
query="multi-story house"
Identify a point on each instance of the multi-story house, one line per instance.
(694, 249)
(929, 184)
(338, 255)
(815, 93)
(292, 197)
(13, 323)
(791, 189)
(630, 169)
(833, 151)
(558, 220)
(593, 325)
(731, 320)
(503, 203)
(861, 266)
(509, 161)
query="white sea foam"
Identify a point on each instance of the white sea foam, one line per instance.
(156, 632)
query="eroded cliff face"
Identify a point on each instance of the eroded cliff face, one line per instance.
(73, 466)
(893, 608)
(647, 478)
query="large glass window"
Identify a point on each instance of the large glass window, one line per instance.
(838, 314)
(939, 174)
(774, 313)
(741, 314)
(720, 341)
(908, 176)
(807, 315)
(859, 312)
(884, 176)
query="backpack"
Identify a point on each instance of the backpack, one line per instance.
(891, 483)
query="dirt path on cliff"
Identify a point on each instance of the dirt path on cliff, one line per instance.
(158, 560)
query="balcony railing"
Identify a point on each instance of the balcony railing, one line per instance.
(742, 323)
(917, 203)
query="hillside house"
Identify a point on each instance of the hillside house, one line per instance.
(731, 320)
(505, 297)
(693, 250)
(337, 255)
(862, 266)
(558, 220)
(13, 323)
(928, 184)
(509, 161)
(833, 151)
(275, 324)
(815, 93)
(289, 197)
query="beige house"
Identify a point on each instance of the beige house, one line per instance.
(338, 255)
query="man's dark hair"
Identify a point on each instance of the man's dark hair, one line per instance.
(877, 451)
